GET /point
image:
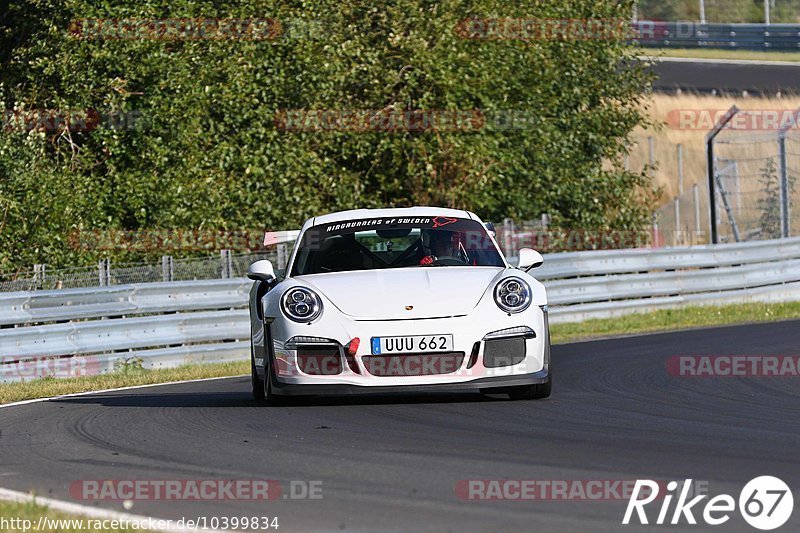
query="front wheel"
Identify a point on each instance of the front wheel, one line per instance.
(262, 389)
(259, 390)
(531, 392)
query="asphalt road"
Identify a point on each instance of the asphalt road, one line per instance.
(722, 76)
(393, 463)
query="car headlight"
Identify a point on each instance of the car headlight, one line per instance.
(513, 295)
(301, 304)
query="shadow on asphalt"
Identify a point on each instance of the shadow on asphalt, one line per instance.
(243, 399)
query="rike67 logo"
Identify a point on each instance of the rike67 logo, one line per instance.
(765, 503)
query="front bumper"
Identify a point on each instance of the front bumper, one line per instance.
(343, 389)
(477, 370)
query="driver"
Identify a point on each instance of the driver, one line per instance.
(441, 245)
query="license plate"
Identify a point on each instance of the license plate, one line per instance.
(412, 344)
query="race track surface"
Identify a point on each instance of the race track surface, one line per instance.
(720, 76)
(393, 462)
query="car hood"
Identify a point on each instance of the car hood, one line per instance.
(430, 292)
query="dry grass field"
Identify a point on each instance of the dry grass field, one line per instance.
(745, 150)
(686, 119)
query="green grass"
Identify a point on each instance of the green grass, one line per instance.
(674, 319)
(32, 512)
(42, 388)
(713, 53)
(666, 320)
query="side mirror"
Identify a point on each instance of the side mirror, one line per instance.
(261, 271)
(529, 259)
(490, 228)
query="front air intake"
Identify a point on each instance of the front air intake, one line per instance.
(319, 361)
(503, 352)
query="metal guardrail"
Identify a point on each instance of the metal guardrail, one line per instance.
(645, 260)
(120, 300)
(658, 34)
(95, 330)
(93, 336)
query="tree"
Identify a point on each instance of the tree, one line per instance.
(199, 147)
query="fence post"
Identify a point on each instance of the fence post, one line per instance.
(508, 235)
(227, 263)
(723, 195)
(784, 185)
(656, 243)
(737, 184)
(104, 271)
(282, 259)
(651, 148)
(696, 209)
(677, 238)
(712, 199)
(167, 268)
(39, 274)
(680, 169)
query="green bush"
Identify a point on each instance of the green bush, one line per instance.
(201, 148)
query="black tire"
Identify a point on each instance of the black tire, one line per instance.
(531, 392)
(259, 390)
(262, 390)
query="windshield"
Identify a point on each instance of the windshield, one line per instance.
(379, 243)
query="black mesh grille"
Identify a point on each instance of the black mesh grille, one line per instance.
(319, 361)
(503, 352)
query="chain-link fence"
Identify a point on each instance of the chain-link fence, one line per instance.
(224, 265)
(511, 236)
(756, 163)
(755, 179)
(754, 172)
(679, 170)
(544, 237)
(684, 220)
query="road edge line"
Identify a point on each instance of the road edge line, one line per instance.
(87, 393)
(93, 512)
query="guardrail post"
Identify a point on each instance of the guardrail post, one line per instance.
(167, 268)
(227, 263)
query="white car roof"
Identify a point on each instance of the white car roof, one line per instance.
(417, 211)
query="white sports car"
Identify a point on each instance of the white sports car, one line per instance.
(416, 299)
